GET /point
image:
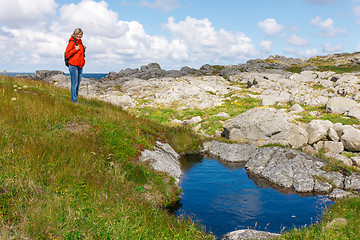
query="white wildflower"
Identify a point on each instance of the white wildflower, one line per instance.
(13, 99)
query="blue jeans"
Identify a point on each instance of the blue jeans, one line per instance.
(75, 74)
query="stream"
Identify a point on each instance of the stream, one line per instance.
(223, 197)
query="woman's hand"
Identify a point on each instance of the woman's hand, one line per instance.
(77, 47)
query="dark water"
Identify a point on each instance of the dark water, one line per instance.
(225, 198)
(85, 75)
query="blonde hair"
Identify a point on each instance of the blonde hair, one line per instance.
(77, 31)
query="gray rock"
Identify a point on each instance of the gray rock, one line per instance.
(353, 182)
(340, 194)
(329, 146)
(239, 153)
(163, 158)
(333, 135)
(285, 167)
(249, 234)
(322, 187)
(193, 120)
(340, 105)
(222, 114)
(318, 129)
(44, 74)
(261, 126)
(338, 157)
(296, 108)
(351, 138)
(354, 112)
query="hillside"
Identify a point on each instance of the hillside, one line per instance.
(70, 172)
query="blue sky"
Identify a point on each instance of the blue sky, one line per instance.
(173, 33)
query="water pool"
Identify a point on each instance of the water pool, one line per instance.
(224, 197)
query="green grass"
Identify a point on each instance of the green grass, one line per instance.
(209, 122)
(348, 209)
(70, 172)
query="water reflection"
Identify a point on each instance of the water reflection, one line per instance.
(224, 197)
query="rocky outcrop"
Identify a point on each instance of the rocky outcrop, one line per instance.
(262, 126)
(288, 168)
(249, 234)
(163, 158)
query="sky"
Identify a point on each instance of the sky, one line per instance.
(122, 34)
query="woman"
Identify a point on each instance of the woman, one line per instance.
(75, 52)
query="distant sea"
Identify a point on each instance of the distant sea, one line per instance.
(85, 75)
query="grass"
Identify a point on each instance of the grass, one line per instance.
(70, 172)
(210, 123)
(347, 209)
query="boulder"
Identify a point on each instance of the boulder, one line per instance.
(353, 182)
(354, 112)
(340, 105)
(296, 108)
(287, 168)
(235, 153)
(318, 129)
(333, 135)
(249, 234)
(340, 194)
(329, 146)
(261, 126)
(163, 158)
(45, 74)
(351, 138)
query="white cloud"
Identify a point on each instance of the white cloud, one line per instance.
(204, 42)
(270, 26)
(356, 11)
(112, 43)
(25, 12)
(332, 48)
(297, 41)
(162, 5)
(327, 29)
(266, 46)
(301, 53)
(94, 18)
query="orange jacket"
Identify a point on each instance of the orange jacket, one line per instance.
(77, 58)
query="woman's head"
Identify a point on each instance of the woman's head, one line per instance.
(77, 33)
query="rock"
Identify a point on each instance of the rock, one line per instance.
(318, 129)
(268, 101)
(193, 120)
(309, 149)
(354, 112)
(338, 127)
(351, 139)
(217, 134)
(163, 158)
(336, 223)
(45, 74)
(261, 126)
(353, 182)
(333, 135)
(338, 157)
(340, 105)
(356, 161)
(296, 108)
(249, 234)
(239, 153)
(322, 187)
(222, 114)
(340, 194)
(328, 146)
(287, 168)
